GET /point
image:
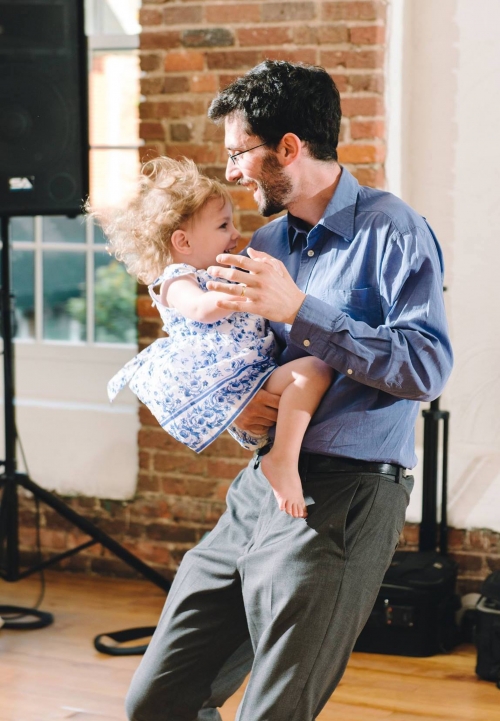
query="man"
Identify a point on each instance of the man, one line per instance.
(358, 283)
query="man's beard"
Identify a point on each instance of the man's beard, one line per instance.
(274, 186)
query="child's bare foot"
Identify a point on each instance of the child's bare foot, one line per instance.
(286, 485)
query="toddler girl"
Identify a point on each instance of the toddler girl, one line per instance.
(198, 380)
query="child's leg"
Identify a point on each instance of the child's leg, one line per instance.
(301, 385)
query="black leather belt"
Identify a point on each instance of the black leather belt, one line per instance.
(316, 463)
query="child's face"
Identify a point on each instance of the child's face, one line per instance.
(210, 232)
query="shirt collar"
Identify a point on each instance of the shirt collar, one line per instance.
(339, 213)
(296, 228)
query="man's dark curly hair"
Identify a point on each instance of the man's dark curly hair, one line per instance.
(278, 97)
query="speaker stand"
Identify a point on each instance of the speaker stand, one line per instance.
(11, 481)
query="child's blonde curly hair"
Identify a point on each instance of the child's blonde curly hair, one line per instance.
(170, 193)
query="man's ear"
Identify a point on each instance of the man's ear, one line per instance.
(180, 242)
(289, 148)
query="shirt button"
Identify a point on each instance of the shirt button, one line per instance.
(349, 371)
(307, 343)
(310, 253)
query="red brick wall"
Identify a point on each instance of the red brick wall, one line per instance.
(188, 51)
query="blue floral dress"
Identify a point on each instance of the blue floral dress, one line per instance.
(199, 379)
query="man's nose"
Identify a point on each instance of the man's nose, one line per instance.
(232, 171)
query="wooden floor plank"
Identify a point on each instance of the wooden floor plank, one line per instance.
(55, 674)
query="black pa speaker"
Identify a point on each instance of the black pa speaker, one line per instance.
(43, 107)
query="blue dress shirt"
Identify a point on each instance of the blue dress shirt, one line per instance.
(373, 273)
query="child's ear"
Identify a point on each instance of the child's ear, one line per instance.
(180, 242)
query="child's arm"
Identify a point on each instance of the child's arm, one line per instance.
(185, 295)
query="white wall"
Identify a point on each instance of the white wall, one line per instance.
(74, 440)
(444, 159)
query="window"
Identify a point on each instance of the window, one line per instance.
(114, 99)
(66, 286)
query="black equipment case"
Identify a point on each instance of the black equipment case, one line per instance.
(414, 614)
(487, 632)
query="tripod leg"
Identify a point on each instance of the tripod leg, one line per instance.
(91, 530)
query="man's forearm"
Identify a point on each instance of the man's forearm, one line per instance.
(406, 362)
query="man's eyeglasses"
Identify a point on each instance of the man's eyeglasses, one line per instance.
(235, 156)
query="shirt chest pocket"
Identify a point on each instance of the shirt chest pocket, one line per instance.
(358, 303)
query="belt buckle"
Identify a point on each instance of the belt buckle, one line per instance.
(402, 473)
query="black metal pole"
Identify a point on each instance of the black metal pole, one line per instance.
(10, 504)
(428, 526)
(428, 537)
(8, 354)
(443, 532)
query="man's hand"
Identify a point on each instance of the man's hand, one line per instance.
(267, 289)
(260, 414)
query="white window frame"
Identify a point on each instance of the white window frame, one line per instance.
(38, 245)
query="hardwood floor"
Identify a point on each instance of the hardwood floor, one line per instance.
(55, 673)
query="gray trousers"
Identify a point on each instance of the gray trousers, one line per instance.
(282, 596)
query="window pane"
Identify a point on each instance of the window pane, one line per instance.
(23, 283)
(64, 301)
(99, 237)
(58, 229)
(114, 299)
(113, 176)
(112, 17)
(114, 98)
(22, 229)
